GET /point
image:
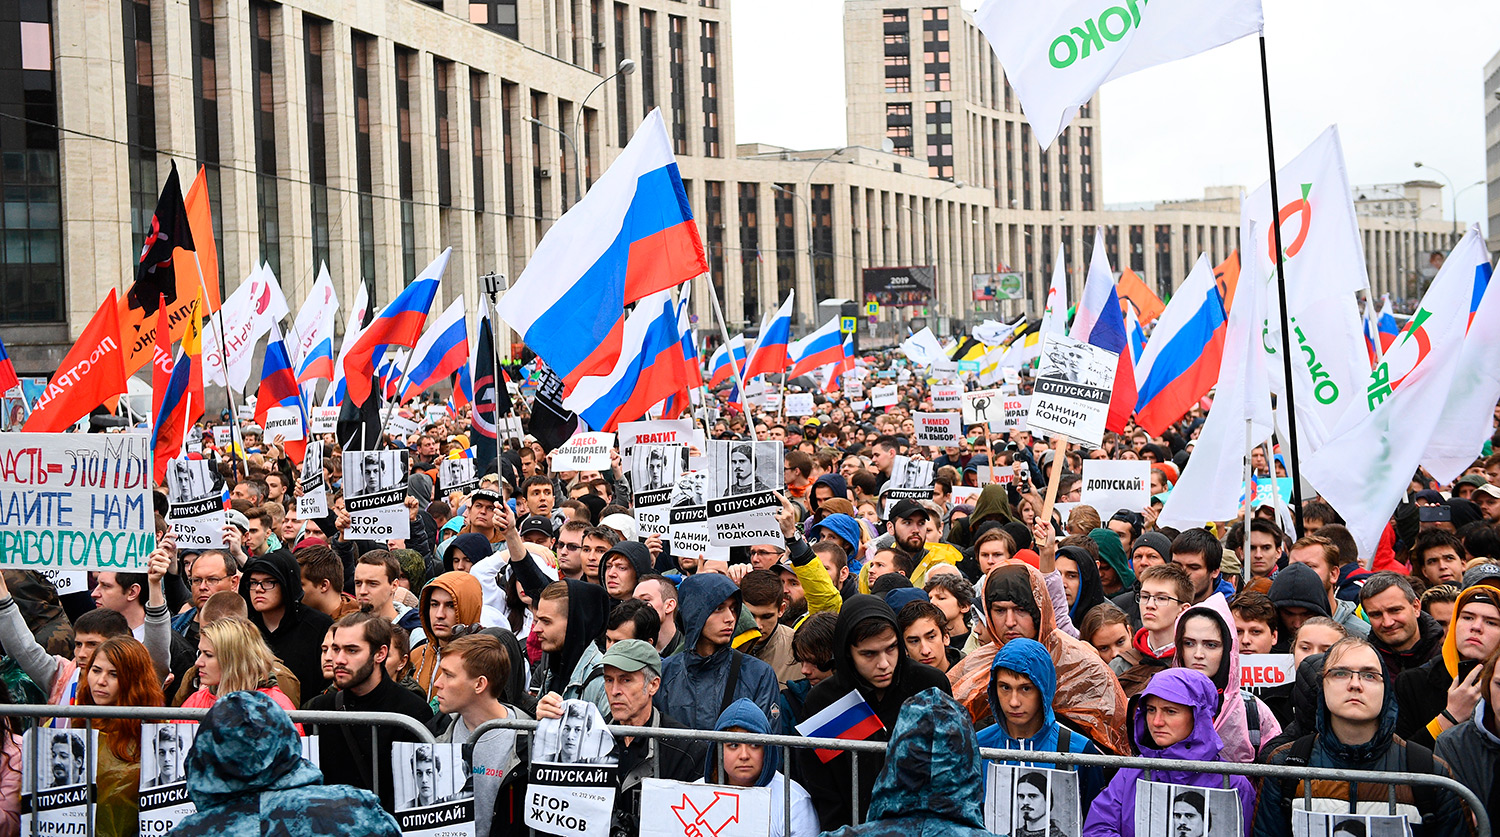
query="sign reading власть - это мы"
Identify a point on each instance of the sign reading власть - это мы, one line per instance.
(73, 501)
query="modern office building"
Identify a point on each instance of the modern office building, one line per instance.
(1492, 149)
(371, 134)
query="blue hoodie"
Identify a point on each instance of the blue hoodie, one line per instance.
(745, 715)
(842, 526)
(692, 687)
(1029, 658)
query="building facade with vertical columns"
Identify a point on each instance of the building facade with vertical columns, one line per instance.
(371, 134)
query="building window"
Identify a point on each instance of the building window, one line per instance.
(677, 70)
(206, 115)
(314, 35)
(442, 90)
(263, 82)
(406, 61)
(498, 16)
(622, 90)
(822, 242)
(709, 46)
(539, 193)
(140, 115)
(1138, 248)
(509, 91)
(786, 238)
(1010, 164)
(1086, 166)
(713, 209)
(940, 139)
(1025, 165)
(31, 274)
(1044, 172)
(364, 50)
(1163, 260)
(596, 46)
(750, 258)
(648, 61)
(894, 16)
(898, 127)
(477, 146)
(1064, 172)
(897, 84)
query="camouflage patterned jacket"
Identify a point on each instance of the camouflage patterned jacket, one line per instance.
(247, 777)
(932, 782)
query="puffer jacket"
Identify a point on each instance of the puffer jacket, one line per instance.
(1472, 751)
(1030, 658)
(1113, 812)
(247, 777)
(692, 686)
(1232, 721)
(932, 779)
(1385, 751)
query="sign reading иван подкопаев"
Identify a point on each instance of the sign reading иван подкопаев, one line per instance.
(71, 501)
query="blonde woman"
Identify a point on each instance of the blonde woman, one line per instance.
(232, 657)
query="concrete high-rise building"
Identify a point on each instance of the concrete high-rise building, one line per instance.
(371, 134)
(1492, 150)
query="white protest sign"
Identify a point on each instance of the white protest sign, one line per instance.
(1027, 800)
(72, 501)
(939, 429)
(654, 432)
(1263, 670)
(853, 387)
(772, 400)
(947, 396)
(1073, 387)
(433, 794)
(375, 494)
(690, 536)
(573, 777)
(965, 493)
(656, 473)
(65, 583)
(323, 419)
(1110, 485)
(744, 519)
(57, 780)
(313, 502)
(1016, 407)
(883, 396)
(401, 426)
(981, 406)
(584, 452)
(223, 435)
(436, 413)
(509, 427)
(456, 475)
(683, 809)
(1216, 812)
(195, 504)
(799, 404)
(164, 799)
(995, 474)
(284, 423)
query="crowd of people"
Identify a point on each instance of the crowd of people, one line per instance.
(966, 620)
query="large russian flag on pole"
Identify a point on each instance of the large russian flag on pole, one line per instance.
(822, 347)
(719, 368)
(649, 370)
(314, 329)
(443, 350)
(849, 718)
(631, 236)
(1182, 358)
(398, 324)
(770, 356)
(1099, 322)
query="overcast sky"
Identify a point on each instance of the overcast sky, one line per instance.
(1403, 81)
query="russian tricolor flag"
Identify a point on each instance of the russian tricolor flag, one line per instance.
(398, 324)
(849, 718)
(278, 388)
(1099, 322)
(8, 379)
(770, 356)
(1134, 333)
(443, 350)
(844, 364)
(650, 368)
(1181, 362)
(632, 236)
(718, 365)
(692, 370)
(314, 330)
(822, 347)
(1387, 327)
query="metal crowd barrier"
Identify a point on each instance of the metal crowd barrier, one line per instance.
(788, 742)
(157, 714)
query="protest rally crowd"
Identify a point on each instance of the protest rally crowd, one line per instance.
(1125, 529)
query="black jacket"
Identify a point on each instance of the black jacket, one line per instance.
(1421, 695)
(345, 748)
(1429, 644)
(829, 783)
(298, 640)
(675, 758)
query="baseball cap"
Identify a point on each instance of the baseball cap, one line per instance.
(1489, 489)
(237, 518)
(487, 494)
(1475, 480)
(536, 523)
(904, 509)
(622, 523)
(632, 655)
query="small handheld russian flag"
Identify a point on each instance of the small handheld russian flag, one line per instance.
(849, 718)
(8, 378)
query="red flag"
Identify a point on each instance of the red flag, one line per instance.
(93, 371)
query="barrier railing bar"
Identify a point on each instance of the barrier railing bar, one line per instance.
(168, 713)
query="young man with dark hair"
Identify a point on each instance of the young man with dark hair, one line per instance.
(1200, 554)
(1438, 557)
(1316, 514)
(272, 584)
(322, 575)
(360, 644)
(709, 673)
(765, 598)
(597, 540)
(470, 690)
(924, 630)
(952, 594)
(1254, 622)
(621, 568)
(537, 493)
(631, 619)
(375, 576)
(570, 548)
(1264, 548)
(570, 620)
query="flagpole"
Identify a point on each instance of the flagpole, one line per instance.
(218, 323)
(1286, 331)
(1249, 481)
(739, 376)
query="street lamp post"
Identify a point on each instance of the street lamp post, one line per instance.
(1419, 164)
(627, 67)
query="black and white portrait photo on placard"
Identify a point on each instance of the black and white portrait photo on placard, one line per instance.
(1077, 362)
(191, 480)
(374, 471)
(1026, 801)
(61, 758)
(1327, 824)
(1187, 810)
(911, 473)
(691, 489)
(746, 467)
(578, 737)
(654, 467)
(164, 752)
(429, 774)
